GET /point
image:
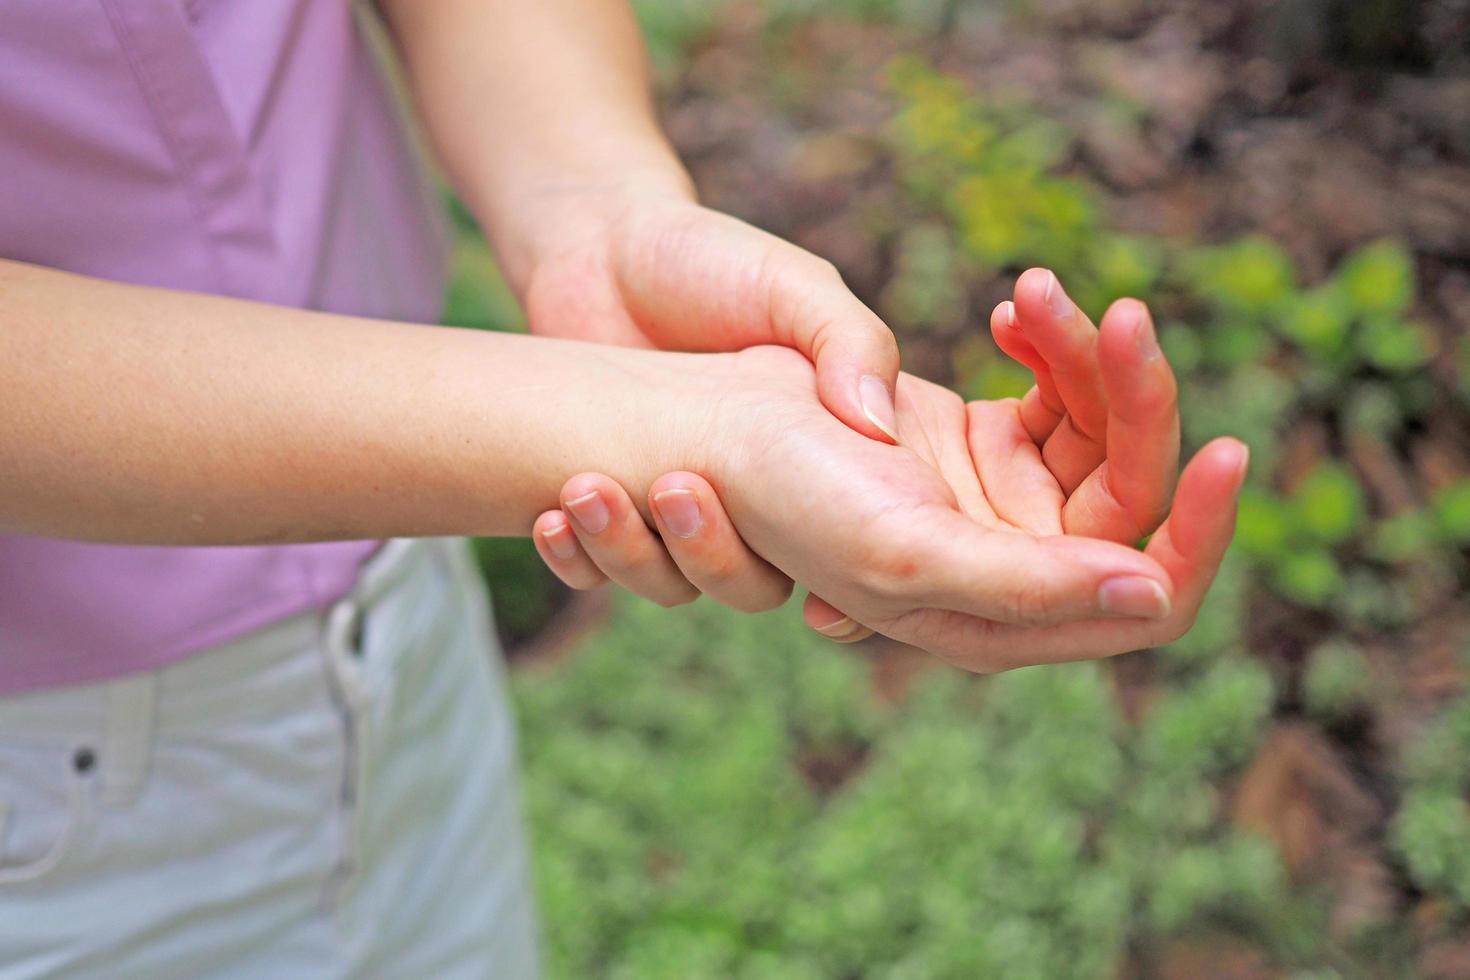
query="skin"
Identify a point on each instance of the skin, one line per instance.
(1090, 451)
(150, 416)
(205, 420)
(542, 116)
(597, 228)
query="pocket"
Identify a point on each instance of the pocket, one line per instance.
(46, 808)
(350, 686)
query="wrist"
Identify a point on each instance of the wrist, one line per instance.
(577, 212)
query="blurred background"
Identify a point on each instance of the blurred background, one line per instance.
(1284, 792)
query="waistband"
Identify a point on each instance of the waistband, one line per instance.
(203, 687)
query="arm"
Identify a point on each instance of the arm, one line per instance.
(151, 416)
(143, 415)
(536, 109)
(541, 114)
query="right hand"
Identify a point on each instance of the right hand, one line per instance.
(966, 542)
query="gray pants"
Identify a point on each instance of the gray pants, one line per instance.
(332, 796)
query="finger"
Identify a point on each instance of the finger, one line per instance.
(1041, 408)
(1072, 455)
(557, 545)
(1025, 580)
(708, 550)
(1189, 546)
(1126, 497)
(831, 622)
(710, 282)
(1066, 339)
(1018, 486)
(614, 536)
(855, 354)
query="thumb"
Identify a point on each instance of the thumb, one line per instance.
(855, 354)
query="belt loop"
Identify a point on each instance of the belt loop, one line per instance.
(128, 737)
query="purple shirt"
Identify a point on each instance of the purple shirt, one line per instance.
(242, 148)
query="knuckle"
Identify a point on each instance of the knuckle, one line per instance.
(823, 268)
(1031, 603)
(635, 559)
(764, 600)
(887, 576)
(671, 599)
(584, 581)
(721, 569)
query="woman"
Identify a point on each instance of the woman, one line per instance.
(292, 756)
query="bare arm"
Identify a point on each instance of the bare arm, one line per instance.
(536, 109)
(149, 416)
(146, 415)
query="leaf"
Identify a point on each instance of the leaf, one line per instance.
(1328, 504)
(1378, 279)
(1452, 510)
(1337, 679)
(1311, 577)
(1251, 276)
(1262, 524)
(1317, 321)
(1396, 346)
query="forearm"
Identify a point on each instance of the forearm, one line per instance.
(150, 416)
(531, 105)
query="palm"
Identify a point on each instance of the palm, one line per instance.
(943, 527)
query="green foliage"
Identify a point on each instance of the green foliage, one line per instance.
(1263, 527)
(1211, 723)
(925, 290)
(676, 834)
(1452, 511)
(1395, 346)
(1250, 278)
(1328, 504)
(672, 27)
(1432, 828)
(478, 295)
(1295, 536)
(1310, 577)
(682, 766)
(1337, 680)
(525, 590)
(1432, 832)
(1318, 321)
(1403, 537)
(1242, 879)
(988, 374)
(1378, 279)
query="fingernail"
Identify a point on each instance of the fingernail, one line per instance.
(1245, 464)
(560, 542)
(1133, 595)
(837, 630)
(1056, 299)
(877, 403)
(1010, 313)
(679, 510)
(590, 512)
(1147, 339)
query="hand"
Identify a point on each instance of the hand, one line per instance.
(654, 269)
(1076, 489)
(948, 562)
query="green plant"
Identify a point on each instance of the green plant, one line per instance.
(1296, 536)
(1328, 505)
(1451, 505)
(1337, 680)
(1001, 826)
